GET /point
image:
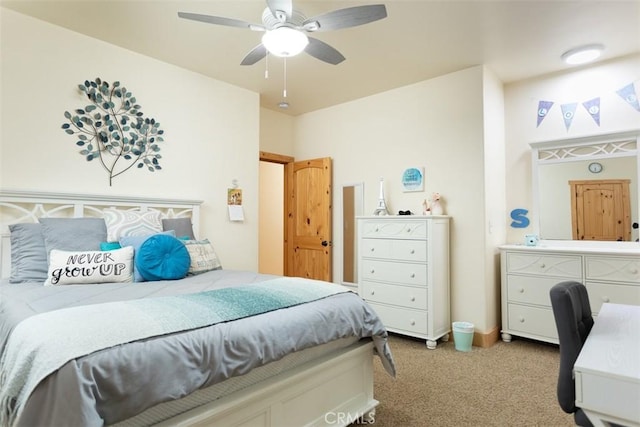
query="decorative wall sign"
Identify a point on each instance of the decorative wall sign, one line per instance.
(413, 179)
(113, 129)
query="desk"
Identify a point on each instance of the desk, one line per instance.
(607, 371)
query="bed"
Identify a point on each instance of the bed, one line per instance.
(107, 339)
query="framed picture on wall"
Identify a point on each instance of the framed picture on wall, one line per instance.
(413, 179)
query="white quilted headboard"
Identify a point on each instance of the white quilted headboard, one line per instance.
(20, 206)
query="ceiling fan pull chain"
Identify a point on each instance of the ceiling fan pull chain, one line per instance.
(284, 92)
(266, 68)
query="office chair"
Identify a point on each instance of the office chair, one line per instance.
(572, 313)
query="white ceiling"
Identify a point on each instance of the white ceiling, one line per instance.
(517, 39)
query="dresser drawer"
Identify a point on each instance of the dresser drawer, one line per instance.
(413, 321)
(531, 289)
(613, 269)
(394, 272)
(600, 293)
(545, 265)
(405, 296)
(404, 250)
(532, 320)
(405, 229)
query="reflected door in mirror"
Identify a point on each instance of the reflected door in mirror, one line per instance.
(601, 210)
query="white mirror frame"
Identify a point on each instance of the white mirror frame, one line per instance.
(611, 145)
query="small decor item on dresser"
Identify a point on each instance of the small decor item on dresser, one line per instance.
(436, 204)
(426, 210)
(381, 210)
(531, 239)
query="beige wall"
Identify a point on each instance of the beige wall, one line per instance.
(211, 128)
(276, 132)
(438, 124)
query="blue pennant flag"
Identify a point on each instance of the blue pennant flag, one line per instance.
(568, 113)
(543, 110)
(628, 93)
(593, 108)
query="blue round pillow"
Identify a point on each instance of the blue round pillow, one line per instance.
(162, 257)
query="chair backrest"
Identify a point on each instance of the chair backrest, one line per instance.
(572, 313)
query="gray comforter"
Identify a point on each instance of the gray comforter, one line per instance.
(117, 383)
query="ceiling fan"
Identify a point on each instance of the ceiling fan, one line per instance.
(286, 29)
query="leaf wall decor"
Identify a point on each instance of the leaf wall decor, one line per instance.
(113, 130)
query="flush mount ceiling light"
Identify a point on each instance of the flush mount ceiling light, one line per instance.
(285, 41)
(583, 54)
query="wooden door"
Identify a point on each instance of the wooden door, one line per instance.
(308, 192)
(600, 210)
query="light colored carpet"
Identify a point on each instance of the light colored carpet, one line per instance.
(508, 384)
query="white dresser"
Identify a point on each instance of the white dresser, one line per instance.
(403, 271)
(610, 271)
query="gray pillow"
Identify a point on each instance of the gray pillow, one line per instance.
(73, 234)
(182, 226)
(28, 254)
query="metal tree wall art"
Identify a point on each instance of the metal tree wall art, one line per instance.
(113, 129)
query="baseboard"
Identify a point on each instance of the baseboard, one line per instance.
(486, 339)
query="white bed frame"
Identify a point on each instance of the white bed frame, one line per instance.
(333, 390)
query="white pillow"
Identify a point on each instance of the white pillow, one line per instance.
(131, 223)
(70, 268)
(203, 256)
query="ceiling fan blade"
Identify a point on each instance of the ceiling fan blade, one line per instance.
(345, 18)
(219, 20)
(285, 6)
(256, 54)
(322, 51)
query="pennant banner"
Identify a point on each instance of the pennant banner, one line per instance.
(627, 93)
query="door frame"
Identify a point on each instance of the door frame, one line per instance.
(283, 160)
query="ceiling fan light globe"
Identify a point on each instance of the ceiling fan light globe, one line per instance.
(285, 41)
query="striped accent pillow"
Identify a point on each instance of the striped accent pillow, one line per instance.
(131, 223)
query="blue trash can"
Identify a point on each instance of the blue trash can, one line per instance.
(463, 335)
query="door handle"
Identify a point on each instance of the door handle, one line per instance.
(325, 243)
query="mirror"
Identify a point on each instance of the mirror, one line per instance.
(352, 206)
(559, 164)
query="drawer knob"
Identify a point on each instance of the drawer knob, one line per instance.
(373, 249)
(376, 229)
(634, 271)
(412, 251)
(409, 230)
(413, 275)
(521, 290)
(373, 292)
(372, 271)
(521, 319)
(542, 265)
(413, 323)
(605, 299)
(413, 299)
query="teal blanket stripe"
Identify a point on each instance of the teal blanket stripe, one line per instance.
(43, 343)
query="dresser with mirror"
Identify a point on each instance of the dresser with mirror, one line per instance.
(585, 212)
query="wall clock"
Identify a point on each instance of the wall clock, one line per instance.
(595, 167)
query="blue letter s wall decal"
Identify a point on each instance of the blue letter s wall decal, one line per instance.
(519, 217)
